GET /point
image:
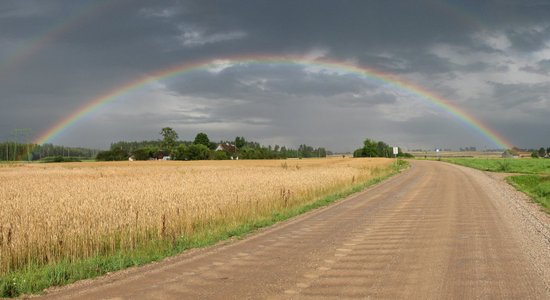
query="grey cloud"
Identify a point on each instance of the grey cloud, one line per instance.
(108, 44)
(369, 99)
(256, 81)
(542, 67)
(520, 96)
(529, 40)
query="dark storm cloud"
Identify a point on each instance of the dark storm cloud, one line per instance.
(258, 81)
(529, 40)
(491, 57)
(522, 96)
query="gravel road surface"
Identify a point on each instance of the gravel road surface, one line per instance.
(436, 231)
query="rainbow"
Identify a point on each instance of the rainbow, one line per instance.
(338, 66)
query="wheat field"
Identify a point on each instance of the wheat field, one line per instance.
(72, 211)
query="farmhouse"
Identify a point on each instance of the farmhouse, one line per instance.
(227, 147)
(230, 149)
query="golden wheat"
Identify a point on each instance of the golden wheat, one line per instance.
(72, 211)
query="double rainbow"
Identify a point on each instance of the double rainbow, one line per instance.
(338, 66)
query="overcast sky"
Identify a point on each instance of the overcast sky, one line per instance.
(490, 58)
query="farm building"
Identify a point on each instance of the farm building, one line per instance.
(227, 147)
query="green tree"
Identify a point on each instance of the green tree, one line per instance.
(198, 152)
(383, 150)
(358, 153)
(182, 152)
(142, 154)
(202, 139)
(240, 142)
(169, 139)
(370, 148)
(110, 155)
(542, 152)
(218, 155)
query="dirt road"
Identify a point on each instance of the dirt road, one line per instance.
(437, 231)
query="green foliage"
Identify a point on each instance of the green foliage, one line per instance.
(197, 152)
(372, 148)
(520, 165)
(219, 155)
(534, 154)
(169, 139)
(240, 142)
(187, 150)
(542, 152)
(134, 145)
(405, 155)
(113, 155)
(503, 165)
(181, 153)
(11, 151)
(538, 187)
(57, 159)
(143, 153)
(202, 139)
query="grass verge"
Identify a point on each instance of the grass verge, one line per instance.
(508, 165)
(34, 279)
(536, 186)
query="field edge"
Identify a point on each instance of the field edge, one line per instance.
(526, 180)
(36, 279)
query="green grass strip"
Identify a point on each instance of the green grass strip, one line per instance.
(536, 186)
(507, 165)
(34, 279)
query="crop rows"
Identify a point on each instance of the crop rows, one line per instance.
(73, 211)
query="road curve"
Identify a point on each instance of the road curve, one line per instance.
(436, 231)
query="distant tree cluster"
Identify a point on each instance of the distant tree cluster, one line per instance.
(542, 152)
(12, 151)
(201, 148)
(372, 148)
(468, 149)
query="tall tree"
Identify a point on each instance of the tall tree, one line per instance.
(240, 142)
(169, 138)
(370, 148)
(202, 139)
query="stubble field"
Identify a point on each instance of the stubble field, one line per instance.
(55, 213)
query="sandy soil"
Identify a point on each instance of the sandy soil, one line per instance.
(437, 231)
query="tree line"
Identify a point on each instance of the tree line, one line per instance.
(542, 152)
(14, 151)
(372, 148)
(202, 148)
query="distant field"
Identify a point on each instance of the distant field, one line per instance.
(536, 184)
(63, 213)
